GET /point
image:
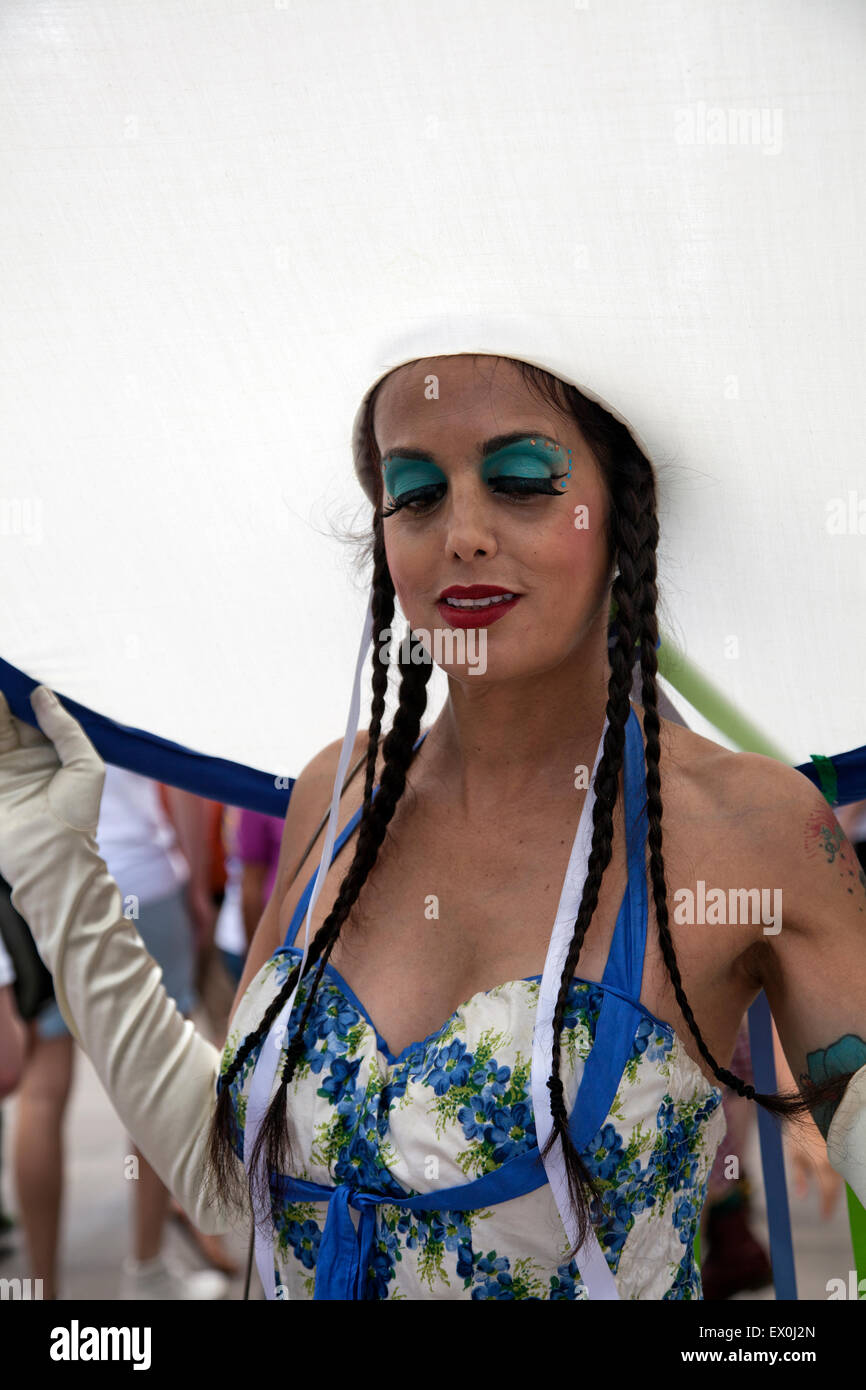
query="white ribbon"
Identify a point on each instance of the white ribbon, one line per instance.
(263, 1075)
(594, 1269)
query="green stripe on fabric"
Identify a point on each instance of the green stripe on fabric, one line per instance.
(826, 770)
(857, 1219)
(709, 701)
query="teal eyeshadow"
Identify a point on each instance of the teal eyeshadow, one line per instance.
(521, 459)
(402, 475)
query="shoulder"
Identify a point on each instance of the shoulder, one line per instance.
(755, 810)
(733, 783)
(311, 798)
(314, 785)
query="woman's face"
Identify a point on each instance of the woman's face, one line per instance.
(476, 510)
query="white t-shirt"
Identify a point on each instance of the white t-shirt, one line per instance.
(136, 838)
(229, 932)
(7, 969)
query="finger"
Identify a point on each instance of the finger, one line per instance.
(16, 733)
(66, 733)
(8, 730)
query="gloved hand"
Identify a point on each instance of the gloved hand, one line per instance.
(159, 1073)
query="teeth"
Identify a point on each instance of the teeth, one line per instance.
(478, 602)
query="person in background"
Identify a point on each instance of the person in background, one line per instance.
(13, 1031)
(160, 863)
(252, 850)
(853, 822)
(13, 1045)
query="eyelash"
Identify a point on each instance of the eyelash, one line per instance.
(524, 487)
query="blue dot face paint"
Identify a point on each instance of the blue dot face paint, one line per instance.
(523, 467)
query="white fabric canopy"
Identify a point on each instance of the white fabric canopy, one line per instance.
(222, 223)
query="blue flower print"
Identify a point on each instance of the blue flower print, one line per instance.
(512, 1131)
(340, 1078)
(450, 1229)
(337, 1016)
(491, 1076)
(563, 1284)
(358, 1165)
(452, 1066)
(464, 1093)
(476, 1116)
(304, 1237)
(651, 1041)
(496, 1281)
(606, 1148)
(384, 1254)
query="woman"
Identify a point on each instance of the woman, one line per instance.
(417, 1106)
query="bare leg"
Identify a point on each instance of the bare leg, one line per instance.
(150, 1208)
(38, 1151)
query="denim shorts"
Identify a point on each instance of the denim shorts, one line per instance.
(165, 928)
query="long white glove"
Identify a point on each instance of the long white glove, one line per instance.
(159, 1073)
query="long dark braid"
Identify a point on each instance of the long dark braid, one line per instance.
(632, 535)
(398, 748)
(631, 524)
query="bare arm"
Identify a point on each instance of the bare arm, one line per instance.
(814, 968)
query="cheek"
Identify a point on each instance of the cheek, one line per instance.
(574, 550)
(409, 566)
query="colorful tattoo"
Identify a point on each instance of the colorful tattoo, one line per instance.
(825, 839)
(847, 1054)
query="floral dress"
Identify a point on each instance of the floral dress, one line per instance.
(435, 1149)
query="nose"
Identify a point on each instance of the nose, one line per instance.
(469, 520)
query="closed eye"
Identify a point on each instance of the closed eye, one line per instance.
(419, 499)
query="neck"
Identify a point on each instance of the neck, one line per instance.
(510, 741)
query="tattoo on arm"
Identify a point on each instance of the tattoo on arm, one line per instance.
(847, 1054)
(825, 840)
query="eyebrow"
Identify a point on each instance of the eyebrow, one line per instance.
(490, 446)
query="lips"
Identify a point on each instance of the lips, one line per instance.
(464, 611)
(462, 591)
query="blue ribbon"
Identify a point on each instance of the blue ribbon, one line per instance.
(344, 1253)
(772, 1157)
(251, 789)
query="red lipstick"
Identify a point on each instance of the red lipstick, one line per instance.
(475, 615)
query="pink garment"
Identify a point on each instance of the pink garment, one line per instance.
(258, 842)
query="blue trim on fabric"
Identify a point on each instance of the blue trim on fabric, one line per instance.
(251, 789)
(216, 779)
(346, 988)
(772, 1157)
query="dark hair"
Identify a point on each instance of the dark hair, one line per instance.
(632, 533)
